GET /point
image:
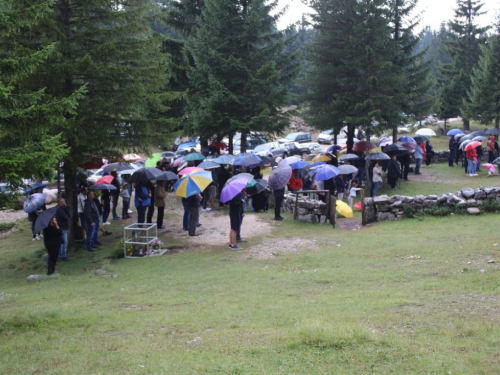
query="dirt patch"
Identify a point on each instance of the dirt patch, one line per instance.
(11, 216)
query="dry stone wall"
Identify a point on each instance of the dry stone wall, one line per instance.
(309, 210)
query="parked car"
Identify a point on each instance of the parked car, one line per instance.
(314, 147)
(251, 144)
(296, 137)
(325, 137)
(271, 149)
(294, 148)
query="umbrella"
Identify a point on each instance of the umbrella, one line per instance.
(349, 157)
(472, 145)
(325, 172)
(299, 164)
(189, 170)
(334, 148)
(218, 145)
(490, 167)
(194, 156)
(132, 157)
(362, 146)
(192, 183)
(406, 139)
(395, 149)
(496, 161)
(105, 179)
(242, 176)
(378, 156)
(151, 162)
(144, 174)
(118, 166)
(168, 154)
(467, 137)
(347, 169)
(421, 138)
(279, 177)
(232, 189)
(188, 144)
(410, 146)
(479, 138)
(127, 171)
(289, 160)
(343, 209)
(259, 186)
(34, 202)
(224, 159)
(494, 131)
(358, 205)
(324, 156)
(478, 132)
(33, 187)
(304, 172)
(385, 141)
(463, 144)
(166, 176)
(455, 132)
(266, 162)
(103, 186)
(208, 164)
(246, 158)
(318, 163)
(426, 131)
(178, 161)
(44, 219)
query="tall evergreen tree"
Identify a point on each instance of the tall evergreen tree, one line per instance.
(240, 68)
(465, 39)
(484, 97)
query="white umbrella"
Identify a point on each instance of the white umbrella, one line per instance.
(426, 131)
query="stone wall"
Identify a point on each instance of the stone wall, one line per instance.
(310, 210)
(391, 208)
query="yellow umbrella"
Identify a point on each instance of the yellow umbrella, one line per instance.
(323, 157)
(344, 209)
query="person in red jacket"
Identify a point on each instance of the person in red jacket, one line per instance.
(471, 156)
(295, 184)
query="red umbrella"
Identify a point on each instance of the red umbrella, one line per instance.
(218, 145)
(472, 145)
(104, 180)
(362, 145)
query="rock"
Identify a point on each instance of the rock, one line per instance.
(35, 277)
(195, 341)
(2, 295)
(397, 204)
(467, 193)
(491, 261)
(419, 199)
(100, 272)
(479, 194)
(442, 198)
(370, 213)
(113, 275)
(473, 211)
(454, 199)
(408, 199)
(432, 197)
(428, 203)
(381, 199)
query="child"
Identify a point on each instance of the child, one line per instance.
(352, 192)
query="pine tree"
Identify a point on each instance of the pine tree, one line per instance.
(240, 68)
(465, 39)
(484, 96)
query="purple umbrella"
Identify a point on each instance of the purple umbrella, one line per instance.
(325, 172)
(385, 141)
(406, 139)
(232, 189)
(279, 177)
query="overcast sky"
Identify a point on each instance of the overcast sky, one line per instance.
(436, 11)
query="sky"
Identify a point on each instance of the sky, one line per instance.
(435, 11)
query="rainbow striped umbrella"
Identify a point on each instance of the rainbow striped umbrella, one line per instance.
(192, 183)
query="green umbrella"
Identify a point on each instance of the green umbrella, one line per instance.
(194, 156)
(151, 162)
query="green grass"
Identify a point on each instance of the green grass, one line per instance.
(405, 297)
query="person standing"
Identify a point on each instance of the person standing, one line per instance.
(471, 156)
(62, 218)
(235, 220)
(452, 148)
(82, 197)
(419, 154)
(376, 179)
(429, 152)
(52, 239)
(340, 186)
(97, 224)
(160, 202)
(491, 149)
(142, 201)
(115, 193)
(187, 214)
(125, 194)
(194, 213)
(393, 172)
(295, 184)
(480, 154)
(106, 206)
(151, 208)
(279, 194)
(91, 217)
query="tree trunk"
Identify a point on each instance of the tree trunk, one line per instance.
(466, 124)
(70, 184)
(350, 138)
(394, 134)
(243, 142)
(497, 122)
(367, 163)
(230, 144)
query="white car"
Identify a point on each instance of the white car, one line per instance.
(325, 137)
(314, 147)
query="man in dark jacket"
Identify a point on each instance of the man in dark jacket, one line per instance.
(453, 149)
(393, 172)
(62, 218)
(52, 238)
(194, 213)
(115, 193)
(279, 194)
(91, 217)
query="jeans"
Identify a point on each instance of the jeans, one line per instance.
(141, 214)
(478, 164)
(418, 163)
(374, 188)
(64, 246)
(115, 203)
(471, 166)
(238, 232)
(187, 215)
(340, 196)
(125, 206)
(96, 231)
(90, 236)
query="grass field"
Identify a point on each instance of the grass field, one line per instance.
(416, 296)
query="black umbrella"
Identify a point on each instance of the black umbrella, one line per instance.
(118, 166)
(144, 174)
(44, 219)
(378, 156)
(166, 176)
(267, 162)
(395, 149)
(421, 138)
(494, 131)
(261, 185)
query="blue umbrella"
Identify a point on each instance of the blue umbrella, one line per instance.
(320, 162)
(477, 132)
(246, 158)
(187, 145)
(34, 202)
(208, 164)
(406, 139)
(102, 187)
(33, 187)
(334, 148)
(224, 159)
(455, 132)
(325, 172)
(299, 164)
